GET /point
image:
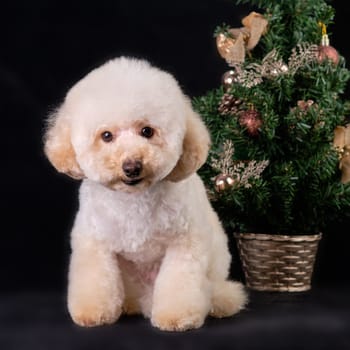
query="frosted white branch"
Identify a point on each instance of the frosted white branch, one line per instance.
(241, 171)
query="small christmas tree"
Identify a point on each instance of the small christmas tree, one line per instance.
(274, 166)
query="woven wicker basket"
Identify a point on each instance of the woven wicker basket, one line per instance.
(277, 262)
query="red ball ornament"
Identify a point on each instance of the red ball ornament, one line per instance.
(327, 52)
(251, 120)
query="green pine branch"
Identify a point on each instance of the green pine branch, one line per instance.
(300, 190)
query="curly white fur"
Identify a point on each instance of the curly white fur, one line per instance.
(146, 242)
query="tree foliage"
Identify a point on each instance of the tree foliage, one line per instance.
(300, 190)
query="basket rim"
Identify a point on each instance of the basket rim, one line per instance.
(273, 288)
(277, 237)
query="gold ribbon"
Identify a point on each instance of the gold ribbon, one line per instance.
(234, 45)
(342, 145)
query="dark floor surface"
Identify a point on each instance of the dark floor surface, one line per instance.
(319, 319)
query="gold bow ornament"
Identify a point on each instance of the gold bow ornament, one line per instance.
(234, 44)
(342, 145)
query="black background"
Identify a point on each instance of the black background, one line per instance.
(45, 47)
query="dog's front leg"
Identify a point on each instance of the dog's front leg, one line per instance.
(181, 298)
(95, 290)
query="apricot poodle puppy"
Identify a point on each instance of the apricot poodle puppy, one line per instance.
(145, 238)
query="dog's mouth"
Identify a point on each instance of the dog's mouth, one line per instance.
(132, 182)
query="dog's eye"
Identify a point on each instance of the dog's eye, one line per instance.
(147, 132)
(107, 136)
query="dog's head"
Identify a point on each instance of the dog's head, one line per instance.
(126, 125)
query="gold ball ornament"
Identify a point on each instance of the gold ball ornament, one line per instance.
(284, 68)
(223, 182)
(229, 78)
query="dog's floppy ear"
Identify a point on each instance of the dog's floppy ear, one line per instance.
(196, 145)
(58, 147)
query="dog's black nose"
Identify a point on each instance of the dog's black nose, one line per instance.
(132, 168)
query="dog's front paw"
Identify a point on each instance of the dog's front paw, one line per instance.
(177, 321)
(89, 314)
